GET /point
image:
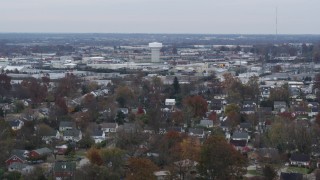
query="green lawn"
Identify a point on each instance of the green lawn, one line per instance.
(81, 152)
(301, 170)
(254, 172)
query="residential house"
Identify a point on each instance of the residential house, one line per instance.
(265, 110)
(125, 111)
(279, 106)
(314, 111)
(162, 175)
(129, 128)
(61, 150)
(186, 168)
(265, 91)
(17, 156)
(311, 97)
(16, 124)
(40, 153)
(225, 125)
(170, 102)
(98, 135)
(239, 145)
(217, 105)
(240, 136)
(72, 135)
(300, 110)
(217, 109)
(148, 130)
(291, 176)
(297, 159)
(248, 110)
(216, 102)
(313, 104)
(138, 110)
(206, 123)
(64, 170)
(315, 149)
(270, 155)
(248, 104)
(109, 127)
(245, 126)
(50, 135)
(178, 129)
(44, 112)
(66, 125)
(20, 167)
(196, 132)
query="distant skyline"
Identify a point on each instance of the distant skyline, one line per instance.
(160, 16)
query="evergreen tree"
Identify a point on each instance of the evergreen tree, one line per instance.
(176, 86)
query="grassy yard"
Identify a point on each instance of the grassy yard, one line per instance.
(254, 173)
(81, 152)
(301, 170)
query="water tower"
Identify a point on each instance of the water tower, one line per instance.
(155, 51)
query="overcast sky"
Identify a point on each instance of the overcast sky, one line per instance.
(161, 16)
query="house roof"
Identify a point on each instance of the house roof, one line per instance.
(245, 125)
(268, 152)
(299, 109)
(14, 123)
(170, 101)
(313, 104)
(265, 109)
(21, 154)
(124, 110)
(17, 166)
(248, 103)
(206, 122)
(64, 166)
(216, 108)
(279, 103)
(66, 124)
(300, 157)
(291, 176)
(238, 143)
(196, 131)
(43, 151)
(175, 128)
(216, 101)
(108, 125)
(246, 109)
(50, 132)
(97, 132)
(186, 163)
(129, 127)
(240, 135)
(73, 133)
(161, 173)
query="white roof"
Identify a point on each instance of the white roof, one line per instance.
(161, 173)
(70, 64)
(12, 68)
(155, 44)
(170, 100)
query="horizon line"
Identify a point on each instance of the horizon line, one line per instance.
(158, 33)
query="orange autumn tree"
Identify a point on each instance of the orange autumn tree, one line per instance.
(190, 148)
(141, 169)
(177, 117)
(219, 160)
(94, 156)
(198, 105)
(169, 147)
